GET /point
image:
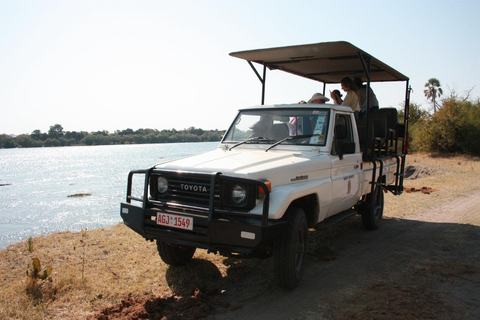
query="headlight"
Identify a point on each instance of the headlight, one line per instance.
(239, 194)
(162, 184)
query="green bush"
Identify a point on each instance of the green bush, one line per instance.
(418, 121)
(454, 128)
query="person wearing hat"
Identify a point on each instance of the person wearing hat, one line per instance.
(318, 98)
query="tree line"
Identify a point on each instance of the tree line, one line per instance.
(56, 137)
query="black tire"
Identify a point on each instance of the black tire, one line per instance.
(290, 250)
(175, 255)
(372, 209)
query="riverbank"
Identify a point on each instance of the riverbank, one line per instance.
(115, 274)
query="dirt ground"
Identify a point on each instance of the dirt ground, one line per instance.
(424, 267)
(423, 264)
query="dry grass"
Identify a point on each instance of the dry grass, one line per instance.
(449, 177)
(90, 269)
(93, 269)
(98, 268)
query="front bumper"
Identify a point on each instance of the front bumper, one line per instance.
(224, 234)
(214, 228)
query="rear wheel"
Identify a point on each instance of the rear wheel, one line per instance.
(175, 255)
(289, 251)
(372, 209)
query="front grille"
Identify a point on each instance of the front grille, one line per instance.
(198, 196)
(187, 189)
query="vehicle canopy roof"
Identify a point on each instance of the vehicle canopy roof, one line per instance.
(327, 62)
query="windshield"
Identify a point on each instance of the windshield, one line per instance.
(272, 125)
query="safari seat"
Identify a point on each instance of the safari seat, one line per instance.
(391, 120)
(379, 133)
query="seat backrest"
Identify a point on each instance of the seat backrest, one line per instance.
(280, 131)
(365, 138)
(391, 117)
(379, 124)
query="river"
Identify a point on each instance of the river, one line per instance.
(37, 185)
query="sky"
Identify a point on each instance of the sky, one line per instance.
(112, 65)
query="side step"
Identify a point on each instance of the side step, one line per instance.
(330, 221)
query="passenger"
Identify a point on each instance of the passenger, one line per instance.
(362, 93)
(318, 98)
(336, 93)
(351, 99)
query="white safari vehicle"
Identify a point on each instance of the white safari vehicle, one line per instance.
(279, 170)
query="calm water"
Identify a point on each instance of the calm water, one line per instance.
(35, 184)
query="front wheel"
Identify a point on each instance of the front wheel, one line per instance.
(175, 255)
(289, 251)
(372, 209)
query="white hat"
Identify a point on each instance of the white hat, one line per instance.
(318, 96)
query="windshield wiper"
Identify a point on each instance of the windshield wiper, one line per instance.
(260, 139)
(289, 138)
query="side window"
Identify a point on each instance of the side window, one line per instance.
(343, 131)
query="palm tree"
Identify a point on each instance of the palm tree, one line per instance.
(433, 91)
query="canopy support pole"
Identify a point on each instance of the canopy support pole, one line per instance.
(262, 80)
(367, 69)
(406, 116)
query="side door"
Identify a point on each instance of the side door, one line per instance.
(346, 162)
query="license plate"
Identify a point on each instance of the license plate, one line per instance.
(174, 221)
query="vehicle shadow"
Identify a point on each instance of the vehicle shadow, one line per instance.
(436, 265)
(197, 274)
